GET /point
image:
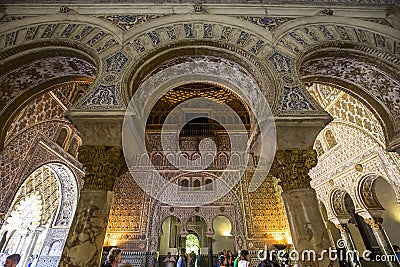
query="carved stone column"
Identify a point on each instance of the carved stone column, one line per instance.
(87, 232)
(348, 244)
(183, 240)
(305, 221)
(383, 241)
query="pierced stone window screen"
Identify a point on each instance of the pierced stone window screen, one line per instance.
(45, 182)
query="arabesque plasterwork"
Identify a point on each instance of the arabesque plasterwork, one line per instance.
(260, 51)
(360, 142)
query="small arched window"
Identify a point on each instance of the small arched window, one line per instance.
(209, 185)
(184, 184)
(157, 161)
(73, 147)
(196, 184)
(223, 160)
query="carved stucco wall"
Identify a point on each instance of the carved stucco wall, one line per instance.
(256, 217)
(271, 43)
(31, 141)
(359, 152)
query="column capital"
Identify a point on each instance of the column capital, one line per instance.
(375, 223)
(291, 166)
(102, 165)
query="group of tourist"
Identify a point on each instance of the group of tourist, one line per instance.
(114, 259)
(225, 259)
(185, 260)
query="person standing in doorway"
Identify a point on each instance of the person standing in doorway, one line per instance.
(183, 259)
(198, 259)
(154, 261)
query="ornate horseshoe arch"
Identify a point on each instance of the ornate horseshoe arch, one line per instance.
(366, 191)
(69, 47)
(337, 203)
(360, 58)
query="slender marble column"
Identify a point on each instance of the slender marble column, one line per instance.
(183, 242)
(25, 247)
(348, 244)
(88, 229)
(383, 241)
(309, 234)
(30, 247)
(210, 251)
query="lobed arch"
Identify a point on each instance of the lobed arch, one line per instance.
(163, 219)
(344, 52)
(44, 70)
(366, 191)
(39, 153)
(69, 192)
(337, 204)
(229, 218)
(377, 93)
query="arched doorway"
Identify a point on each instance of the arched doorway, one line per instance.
(192, 242)
(223, 238)
(391, 217)
(40, 215)
(360, 232)
(171, 236)
(196, 240)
